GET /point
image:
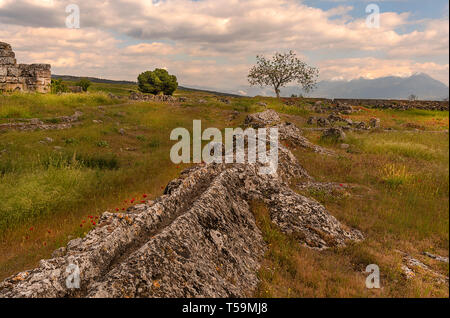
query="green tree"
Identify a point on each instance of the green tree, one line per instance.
(57, 86)
(84, 83)
(158, 81)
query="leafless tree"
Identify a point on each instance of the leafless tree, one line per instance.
(281, 70)
(412, 98)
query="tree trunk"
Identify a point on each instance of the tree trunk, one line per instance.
(277, 91)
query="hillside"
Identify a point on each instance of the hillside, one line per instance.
(71, 78)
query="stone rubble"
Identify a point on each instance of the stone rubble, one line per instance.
(63, 122)
(150, 97)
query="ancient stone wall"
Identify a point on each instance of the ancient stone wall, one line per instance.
(379, 103)
(22, 77)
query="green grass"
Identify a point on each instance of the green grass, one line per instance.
(20, 105)
(403, 202)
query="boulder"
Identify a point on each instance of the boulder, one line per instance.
(264, 119)
(334, 133)
(323, 122)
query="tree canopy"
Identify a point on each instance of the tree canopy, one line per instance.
(281, 70)
(157, 81)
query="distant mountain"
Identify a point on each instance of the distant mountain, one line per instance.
(391, 87)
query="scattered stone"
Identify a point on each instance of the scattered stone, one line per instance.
(360, 125)
(57, 148)
(436, 257)
(332, 118)
(323, 122)
(97, 121)
(263, 104)
(311, 120)
(345, 146)
(264, 119)
(64, 122)
(122, 131)
(112, 96)
(374, 122)
(150, 97)
(334, 133)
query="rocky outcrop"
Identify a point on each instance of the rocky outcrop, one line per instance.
(22, 77)
(199, 239)
(287, 131)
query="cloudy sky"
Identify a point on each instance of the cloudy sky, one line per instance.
(213, 43)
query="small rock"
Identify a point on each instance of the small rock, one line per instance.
(436, 257)
(311, 120)
(323, 122)
(35, 121)
(345, 146)
(334, 133)
(122, 131)
(374, 122)
(263, 104)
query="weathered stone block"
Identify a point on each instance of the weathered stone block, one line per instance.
(5, 53)
(7, 61)
(5, 46)
(26, 77)
(13, 71)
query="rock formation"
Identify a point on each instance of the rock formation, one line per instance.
(22, 77)
(199, 239)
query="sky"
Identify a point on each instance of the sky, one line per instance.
(213, 43)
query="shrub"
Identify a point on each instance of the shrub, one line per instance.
(57, 86)
(84, 84)
(156, 82)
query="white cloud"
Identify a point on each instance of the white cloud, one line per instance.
(212, 42)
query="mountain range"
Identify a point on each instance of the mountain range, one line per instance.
(390, 87)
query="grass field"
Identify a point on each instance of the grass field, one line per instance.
(48, 189)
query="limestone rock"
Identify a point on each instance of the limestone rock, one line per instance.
(334, 133)
(264, 119)
(22, 77)
(323, 122)
(199, 239)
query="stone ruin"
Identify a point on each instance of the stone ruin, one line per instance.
(22, 77)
